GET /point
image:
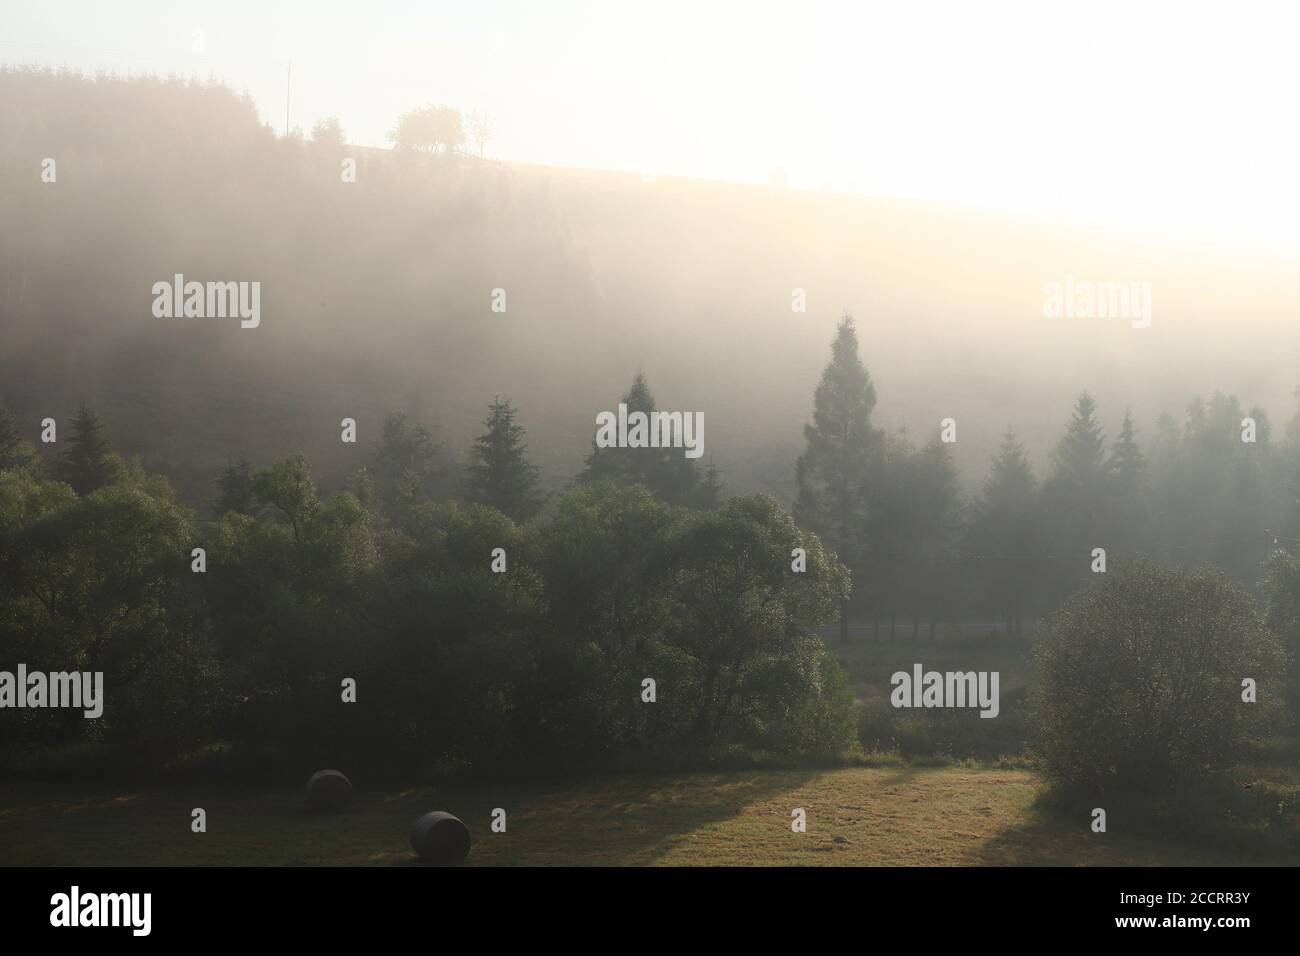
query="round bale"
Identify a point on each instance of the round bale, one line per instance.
(329, 790)
(439, 837)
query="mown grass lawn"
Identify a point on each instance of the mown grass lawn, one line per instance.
(860, 816)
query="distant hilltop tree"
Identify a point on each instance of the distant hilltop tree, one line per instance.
(328, 134)
(429, 129)
(481, 128)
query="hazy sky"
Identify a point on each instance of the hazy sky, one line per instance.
(1173, 117)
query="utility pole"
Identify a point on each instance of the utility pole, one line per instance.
(288, 85)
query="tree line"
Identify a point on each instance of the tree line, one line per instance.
(1214, 490)
(615, 628)
(489, 625)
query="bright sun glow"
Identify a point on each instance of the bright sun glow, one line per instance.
(1166, 118)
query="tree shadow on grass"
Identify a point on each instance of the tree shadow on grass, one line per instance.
(624, 820)
(1052, 837)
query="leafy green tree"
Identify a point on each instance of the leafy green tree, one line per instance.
(101, 582)
(747, 622)
(287, 590)
(429, 129)
(327, 135)
(459, 652)
(1282, 595)
(288, 487)
(705, 603)
(88, 463)
(1140, 680)
(500, 474)
(605, 567)
(833, 474)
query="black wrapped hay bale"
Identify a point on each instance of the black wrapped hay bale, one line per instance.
(329, 790)
(440, 838)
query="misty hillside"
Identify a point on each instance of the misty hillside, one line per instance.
(376, 296)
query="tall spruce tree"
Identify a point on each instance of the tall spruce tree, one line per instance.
(935, 516)
(87, 464)
(1080, 455)
(834, 472)
(1075, 496)
(1126, 464)
(500, 474)
(1126, 476)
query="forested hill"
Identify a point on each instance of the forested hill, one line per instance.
(376, 296)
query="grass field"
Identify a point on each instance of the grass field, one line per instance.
(860, 816)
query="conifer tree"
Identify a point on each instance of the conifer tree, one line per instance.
(1075, 498)
(87, 464)
(665, 471)
(500, 474)
(14, 452)
(834, 471)
(1003, 537)
(407, 466)
(1126, 476)
(1126, 466)
(1080, 455)
(235, 488)
(931, 550)
(709, 494)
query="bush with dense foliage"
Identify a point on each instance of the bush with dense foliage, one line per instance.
(1140, 680)
(457, 663)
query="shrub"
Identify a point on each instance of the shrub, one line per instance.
(1282, 588)
(959, 734)
(1140, 680)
